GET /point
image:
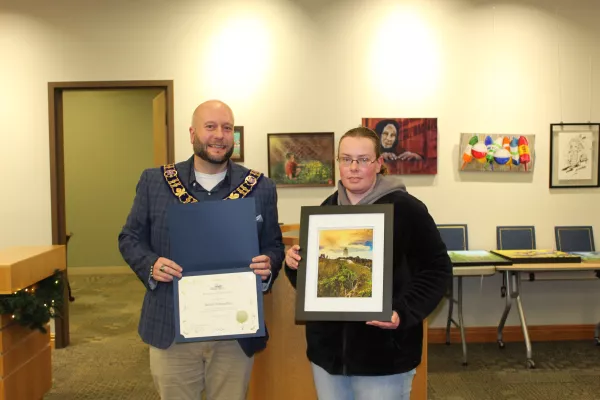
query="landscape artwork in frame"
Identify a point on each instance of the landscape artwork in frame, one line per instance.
(574, 150)
(476, 257)
(538, 256)
(408, 145)
(496, 152)
(238, 144)
(345, 273)
(588, 256)
(301, 159)
(345, 262)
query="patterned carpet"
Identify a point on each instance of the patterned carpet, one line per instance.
(106, 360)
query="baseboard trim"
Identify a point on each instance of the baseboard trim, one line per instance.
(100, 271)
(539, 333)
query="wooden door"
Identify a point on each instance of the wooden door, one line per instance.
(159, 129)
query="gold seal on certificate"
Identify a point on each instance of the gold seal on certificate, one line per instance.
(217, 305)
(241, 316)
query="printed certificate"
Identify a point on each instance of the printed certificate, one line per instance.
(222, 304)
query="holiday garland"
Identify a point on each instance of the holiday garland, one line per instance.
(35, 305)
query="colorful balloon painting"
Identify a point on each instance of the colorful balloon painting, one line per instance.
(496, 152)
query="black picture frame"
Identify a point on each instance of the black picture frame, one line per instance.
(476, 258)
(558, 166)
(379, 218)
(538, 256)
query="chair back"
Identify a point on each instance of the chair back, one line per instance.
(515, 237)
(454, 236)
(574, 238)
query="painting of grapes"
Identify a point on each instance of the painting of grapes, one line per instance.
(301, 159)
(345, 263)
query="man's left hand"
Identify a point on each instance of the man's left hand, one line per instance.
(261, 266)
(387, 325)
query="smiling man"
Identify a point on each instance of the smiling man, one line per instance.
(220, 368)
(211, 135)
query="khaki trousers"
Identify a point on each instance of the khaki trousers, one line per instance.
(221, 369)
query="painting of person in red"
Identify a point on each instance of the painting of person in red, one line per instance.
(303, 159)
(291, 166)
(408, 145)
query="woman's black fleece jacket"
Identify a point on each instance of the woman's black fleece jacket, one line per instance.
(422, 271)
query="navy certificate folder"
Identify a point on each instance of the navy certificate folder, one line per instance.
(214, 237)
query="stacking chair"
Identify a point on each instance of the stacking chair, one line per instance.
(514, 238)
(574, 238)
(455, 237)
(577, 238)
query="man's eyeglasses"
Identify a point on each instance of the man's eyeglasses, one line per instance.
(362, 162)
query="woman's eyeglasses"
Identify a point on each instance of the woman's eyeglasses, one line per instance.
(361, 162)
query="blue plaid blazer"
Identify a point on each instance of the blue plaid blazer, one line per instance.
(145, 238)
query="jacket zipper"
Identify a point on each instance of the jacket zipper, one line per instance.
(344, 349)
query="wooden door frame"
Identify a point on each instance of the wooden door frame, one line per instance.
(57, 164)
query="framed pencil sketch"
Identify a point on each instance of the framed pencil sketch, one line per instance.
(574, 150)
(301, 159)
(347, 259)
(238, 144)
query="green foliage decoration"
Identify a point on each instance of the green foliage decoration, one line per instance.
(35, 305)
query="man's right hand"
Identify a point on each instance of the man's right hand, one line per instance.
(164, 270)
(292, 257)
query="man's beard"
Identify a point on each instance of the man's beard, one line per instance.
(200, 150)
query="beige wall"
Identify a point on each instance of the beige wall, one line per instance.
(108, 143)
(322, 65)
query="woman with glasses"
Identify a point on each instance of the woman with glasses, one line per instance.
(377, 359)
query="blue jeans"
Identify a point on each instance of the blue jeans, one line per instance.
(341, 387)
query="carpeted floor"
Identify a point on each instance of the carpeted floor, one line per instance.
(106, 359)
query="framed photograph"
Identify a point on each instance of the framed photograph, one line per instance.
(238, 144)
(574, 152)
(468, 258)
(301, 159)
(408, 145)
(588, 256)
(537, 256)
(496, 152)
(347, 263)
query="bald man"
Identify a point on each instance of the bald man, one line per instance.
(220, 368)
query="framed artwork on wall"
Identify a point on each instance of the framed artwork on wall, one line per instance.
(238, 144)
(574, 150)
(408, 145)
(301, 159)
(496, 152)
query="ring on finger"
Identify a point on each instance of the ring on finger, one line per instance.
(162, 268)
